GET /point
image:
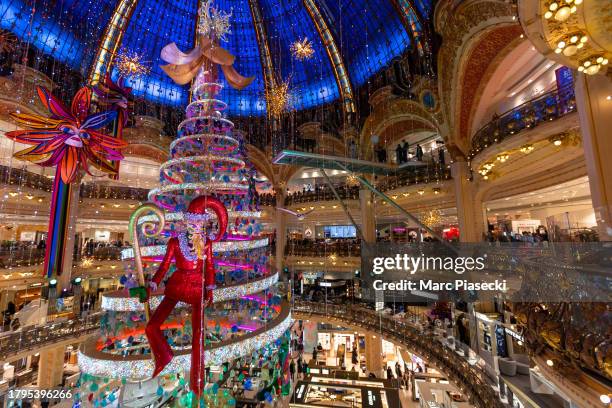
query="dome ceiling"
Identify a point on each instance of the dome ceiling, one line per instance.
(368, 34)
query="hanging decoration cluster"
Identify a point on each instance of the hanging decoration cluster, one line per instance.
(279, 99)
(131, 64)
(302, 49)
(213, 23)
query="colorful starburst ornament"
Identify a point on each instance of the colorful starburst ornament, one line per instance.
(302, 49)
(130, 64)
(69, 137)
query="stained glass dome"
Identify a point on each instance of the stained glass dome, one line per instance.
(351, 40)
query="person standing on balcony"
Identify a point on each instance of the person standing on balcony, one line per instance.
(399, 154)
(405, 151)
(441, 159)
(353, 150)
(389, 373)
(419, 152)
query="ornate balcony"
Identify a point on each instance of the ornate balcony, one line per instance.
(544, 108)
(38, 337)
(25, 178)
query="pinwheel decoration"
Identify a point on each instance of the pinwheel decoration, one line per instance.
(69, 137)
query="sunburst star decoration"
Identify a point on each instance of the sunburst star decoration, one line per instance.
(279, 99)
(130, 64)
(8, 41)
(302, 49)
(214, 23)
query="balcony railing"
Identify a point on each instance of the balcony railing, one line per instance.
(544, 108)
(430, 174)
(470, 378)
(25, 178)
(322, 249)
(14, 255)
(36, 337)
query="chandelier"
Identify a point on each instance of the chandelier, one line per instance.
(352, 180)
(432, 218)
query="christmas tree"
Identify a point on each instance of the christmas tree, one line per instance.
(246, 328)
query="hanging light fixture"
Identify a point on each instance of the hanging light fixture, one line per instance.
(592, 65)
(561, 10)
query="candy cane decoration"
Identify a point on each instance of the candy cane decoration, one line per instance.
(149, 229)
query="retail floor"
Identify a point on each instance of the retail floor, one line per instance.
(405, 395)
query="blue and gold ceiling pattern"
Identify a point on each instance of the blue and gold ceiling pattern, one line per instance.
(367, 33)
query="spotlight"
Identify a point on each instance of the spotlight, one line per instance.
(550, 363)
(53, 283)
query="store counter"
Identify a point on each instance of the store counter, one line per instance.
(326, 391)
(440, 395)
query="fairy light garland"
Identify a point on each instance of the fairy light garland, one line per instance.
(222, 246)
(137, 368)
(118, 302)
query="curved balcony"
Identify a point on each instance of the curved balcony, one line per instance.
(25, 178)
(470, 378)
(36, 338)
(309, 248)
(14, 255)
(544, 108)
(431, 173)
(96, 191)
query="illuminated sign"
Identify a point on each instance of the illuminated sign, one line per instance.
(513, 334)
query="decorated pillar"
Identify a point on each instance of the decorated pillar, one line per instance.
(281, 228)
(373, 355)
(368, 219)
(71, 216)
(51, 367)
(594, 103)
(470, 209)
